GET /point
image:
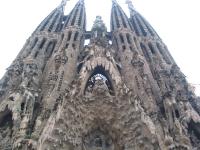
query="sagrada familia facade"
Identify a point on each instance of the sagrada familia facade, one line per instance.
(122, 91)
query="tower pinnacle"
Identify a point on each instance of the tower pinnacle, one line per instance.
(63, 3)
(81, 1)
(131, 7)
(122, 90)
(114, 1)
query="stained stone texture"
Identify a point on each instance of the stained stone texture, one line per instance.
(122, 91)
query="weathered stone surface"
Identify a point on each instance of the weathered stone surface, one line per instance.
(122, 91)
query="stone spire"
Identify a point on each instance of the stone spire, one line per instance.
(81, 1)
(63, 3)
(118, 17)
(77, 15)
(122, 91)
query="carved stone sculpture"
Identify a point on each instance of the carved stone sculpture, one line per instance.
(120, 91)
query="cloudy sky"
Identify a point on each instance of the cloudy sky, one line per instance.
(176, 21)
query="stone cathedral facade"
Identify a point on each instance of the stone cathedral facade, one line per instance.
(121, 91)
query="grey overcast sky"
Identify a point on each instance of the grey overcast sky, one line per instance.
(176, 21)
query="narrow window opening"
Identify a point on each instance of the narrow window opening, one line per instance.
(124, 48)
(50, 49)
(22, 107)
(177, 113)
(144, 50)
(131, 48)
(121, 38)
(36, 54)
(62, 37)
(151, 48)
(128, 38)
(162, 109)
(34, 43)
(76, 36)
(67, 45)
(64, 19)
(69, 35)
(79, 67)
(42, 44)
(74, 46)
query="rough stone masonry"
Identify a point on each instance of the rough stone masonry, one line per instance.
(121, 91)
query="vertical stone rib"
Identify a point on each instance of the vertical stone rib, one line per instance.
(113, 22)
(149, 27)
(143, 25)
(57, 23)
(72, 14)
(136, 26)
(83, 19)
(44, 23)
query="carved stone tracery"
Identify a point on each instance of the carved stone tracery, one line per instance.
(106, 95)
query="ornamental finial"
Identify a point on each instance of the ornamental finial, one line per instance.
(114, 1)
(131, 7)
(81, 1)
(63, 3)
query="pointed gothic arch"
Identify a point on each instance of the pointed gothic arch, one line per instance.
(101, 76)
